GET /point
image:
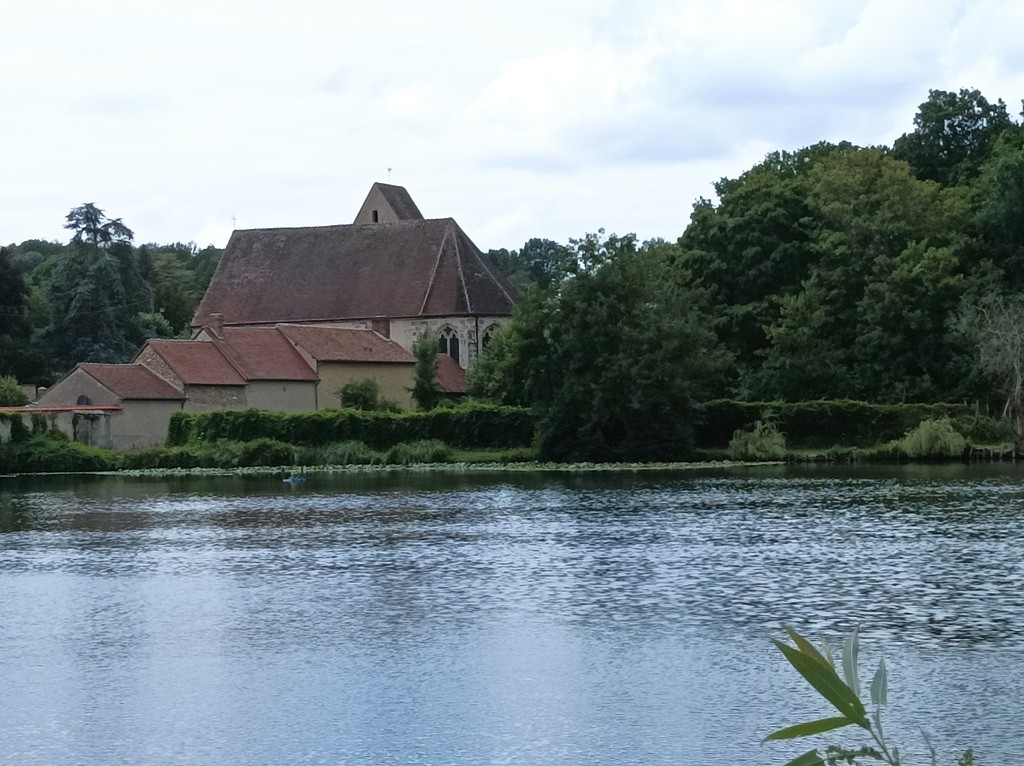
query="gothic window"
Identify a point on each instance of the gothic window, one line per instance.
(487, 335)
(448, 343)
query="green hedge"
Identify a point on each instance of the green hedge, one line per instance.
(821, 423)
(468, 425)
(44, 454)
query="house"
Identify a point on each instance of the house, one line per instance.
(392, 271)
(111, 405)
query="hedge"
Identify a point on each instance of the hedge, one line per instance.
(821, 423)
(465, 426)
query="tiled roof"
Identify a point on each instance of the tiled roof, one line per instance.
(131, 381)
(333, 344)
(400, 201)
(450, 375)
(263, 353)
(197, 362)
(358, 271)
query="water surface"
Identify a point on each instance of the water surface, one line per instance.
(506, 618)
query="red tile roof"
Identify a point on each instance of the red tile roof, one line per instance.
(450, 375)
(358, 271)
(264, 353)
(338, 344)
(131, 381)
(197, 362)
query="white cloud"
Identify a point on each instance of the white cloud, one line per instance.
(533, 119)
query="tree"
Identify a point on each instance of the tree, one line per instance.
(1001, 206)
(756, 246)
(11, 394)
(614, 361)
(869, 321)
(364, 394)
(953, 135)
(539, 262)
(426, 391)
(13, 292)
(91, 226)
(993, 325)
(18, 356)
(96, 294)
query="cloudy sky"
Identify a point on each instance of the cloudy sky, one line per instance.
(539, 118)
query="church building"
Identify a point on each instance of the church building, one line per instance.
(391, 270)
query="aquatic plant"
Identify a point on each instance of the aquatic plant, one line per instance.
(843, 693)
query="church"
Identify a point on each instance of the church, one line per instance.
(391, 270)
(292, 314)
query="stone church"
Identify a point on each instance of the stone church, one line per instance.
(391, 270)
(292, 314)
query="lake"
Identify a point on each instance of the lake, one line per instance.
(501, 618)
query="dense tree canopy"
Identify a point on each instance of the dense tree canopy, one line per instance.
(613, 361)
(93, 298)
(953, 135)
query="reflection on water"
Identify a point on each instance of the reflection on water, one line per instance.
(506, 619)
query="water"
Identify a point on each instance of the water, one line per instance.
(500, 619)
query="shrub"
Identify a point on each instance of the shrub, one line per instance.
(19, 432)
(426, 451)
(426, 391)
(11, 394)
(365, 395)
(466, 426)
(762, 442)
(338, 453)
(266, 452)
(44, 455)
(933, 438)
(180, 429)
(820, 424)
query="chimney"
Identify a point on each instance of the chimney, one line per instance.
(217, 325)
(381, 325)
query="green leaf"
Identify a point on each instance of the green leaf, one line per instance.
(829, 685)
(880, 685)
(826, 652)
(810, 758)
(806, 647)
(851, 649)
(810, 728)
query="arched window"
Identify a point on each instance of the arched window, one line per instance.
(448, 342)
(487, 335)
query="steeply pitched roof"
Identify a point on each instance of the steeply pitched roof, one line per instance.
(358, 271)
(398, 202)
(197, 362)
(263, 353)
(337, 344)
(131, 381)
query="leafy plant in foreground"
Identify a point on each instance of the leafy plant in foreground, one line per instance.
(819, 670)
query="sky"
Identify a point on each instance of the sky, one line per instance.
(539, 118)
